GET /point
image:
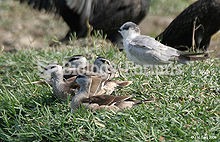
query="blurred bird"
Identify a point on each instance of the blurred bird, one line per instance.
(105, 15)
(145, 50)
(193, 28)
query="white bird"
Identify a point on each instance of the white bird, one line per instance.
(145, 50)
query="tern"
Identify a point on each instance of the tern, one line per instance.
(145, 50)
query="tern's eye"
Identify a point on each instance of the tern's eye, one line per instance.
(125, 28)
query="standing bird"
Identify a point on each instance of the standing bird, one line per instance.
(105, 15)
(194, 27)
(145, 50)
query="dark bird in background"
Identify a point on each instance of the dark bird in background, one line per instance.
(199, 21)
(105, 15)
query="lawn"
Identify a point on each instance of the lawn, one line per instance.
(186, 106)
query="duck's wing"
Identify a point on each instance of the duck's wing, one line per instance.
(100, 100)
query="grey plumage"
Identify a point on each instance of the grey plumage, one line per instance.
(145, 50)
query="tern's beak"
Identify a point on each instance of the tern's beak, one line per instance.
(120, 30)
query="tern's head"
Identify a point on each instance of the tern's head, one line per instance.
(77, 61)
(129, 30)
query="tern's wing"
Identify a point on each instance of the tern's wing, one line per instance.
(145, 47)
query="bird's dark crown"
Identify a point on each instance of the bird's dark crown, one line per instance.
(128, 25)
(103, 60)
(75, 57)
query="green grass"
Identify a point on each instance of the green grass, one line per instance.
(187, 105)
(168, 7)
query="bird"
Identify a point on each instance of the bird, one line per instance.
(96, 102)
(100, 73)
(145, 50)
(61, 89)
(77, 61)
(104, 15)
(84, 83)
(193, 28)
(78, 64)
(104, 66)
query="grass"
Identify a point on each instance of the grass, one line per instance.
(168, 7)
(186, 106)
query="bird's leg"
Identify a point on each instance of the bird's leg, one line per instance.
(64, 40)
(89, 27)
(156, 71)
(199, 34)
(193, 35)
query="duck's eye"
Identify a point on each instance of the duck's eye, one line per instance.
(53, 67)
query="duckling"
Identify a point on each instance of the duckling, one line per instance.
(84, 83)
(61, 89)
(94, 102)
(104, 66)
(76, 65)
(77, 61)
(45, 74)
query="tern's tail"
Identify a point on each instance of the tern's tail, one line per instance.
(184, 58)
